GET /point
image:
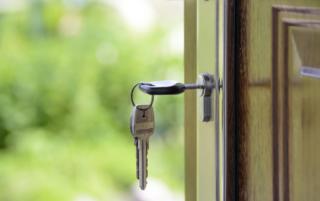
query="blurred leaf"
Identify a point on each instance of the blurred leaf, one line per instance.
(66, 71)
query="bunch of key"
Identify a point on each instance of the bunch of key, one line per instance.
(142, 117)
(142, 127)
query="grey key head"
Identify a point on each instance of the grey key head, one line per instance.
(142, 121)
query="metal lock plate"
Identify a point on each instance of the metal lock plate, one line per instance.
(207, 81)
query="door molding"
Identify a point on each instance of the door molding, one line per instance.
(282, 15)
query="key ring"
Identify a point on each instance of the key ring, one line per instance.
(132, 101)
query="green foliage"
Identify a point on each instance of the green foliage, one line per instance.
(65, 77)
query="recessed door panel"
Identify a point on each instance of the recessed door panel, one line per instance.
(277, 89)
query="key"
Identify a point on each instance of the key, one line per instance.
(142, 127)
(167, 87)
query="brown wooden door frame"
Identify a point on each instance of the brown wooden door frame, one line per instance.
(236, 98)
(231, 107)
(235, 108)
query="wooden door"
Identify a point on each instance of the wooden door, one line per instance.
(204, 140)
(274, 144)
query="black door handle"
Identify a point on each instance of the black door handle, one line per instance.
(166, 87)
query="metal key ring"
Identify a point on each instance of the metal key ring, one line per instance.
(132, 101)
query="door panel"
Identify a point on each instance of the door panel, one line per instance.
(277, 95)
(303, 116)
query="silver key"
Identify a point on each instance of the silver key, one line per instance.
(142, 127)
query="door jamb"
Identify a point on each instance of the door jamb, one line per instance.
(190, 100)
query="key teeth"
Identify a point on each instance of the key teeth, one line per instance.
(147, 168)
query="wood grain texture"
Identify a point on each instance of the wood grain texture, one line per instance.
(274, 140)
(190, 63)
(293, 190)
(229, 88)
(281, 75)
(241, 94)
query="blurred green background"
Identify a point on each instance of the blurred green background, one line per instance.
(66, 71)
